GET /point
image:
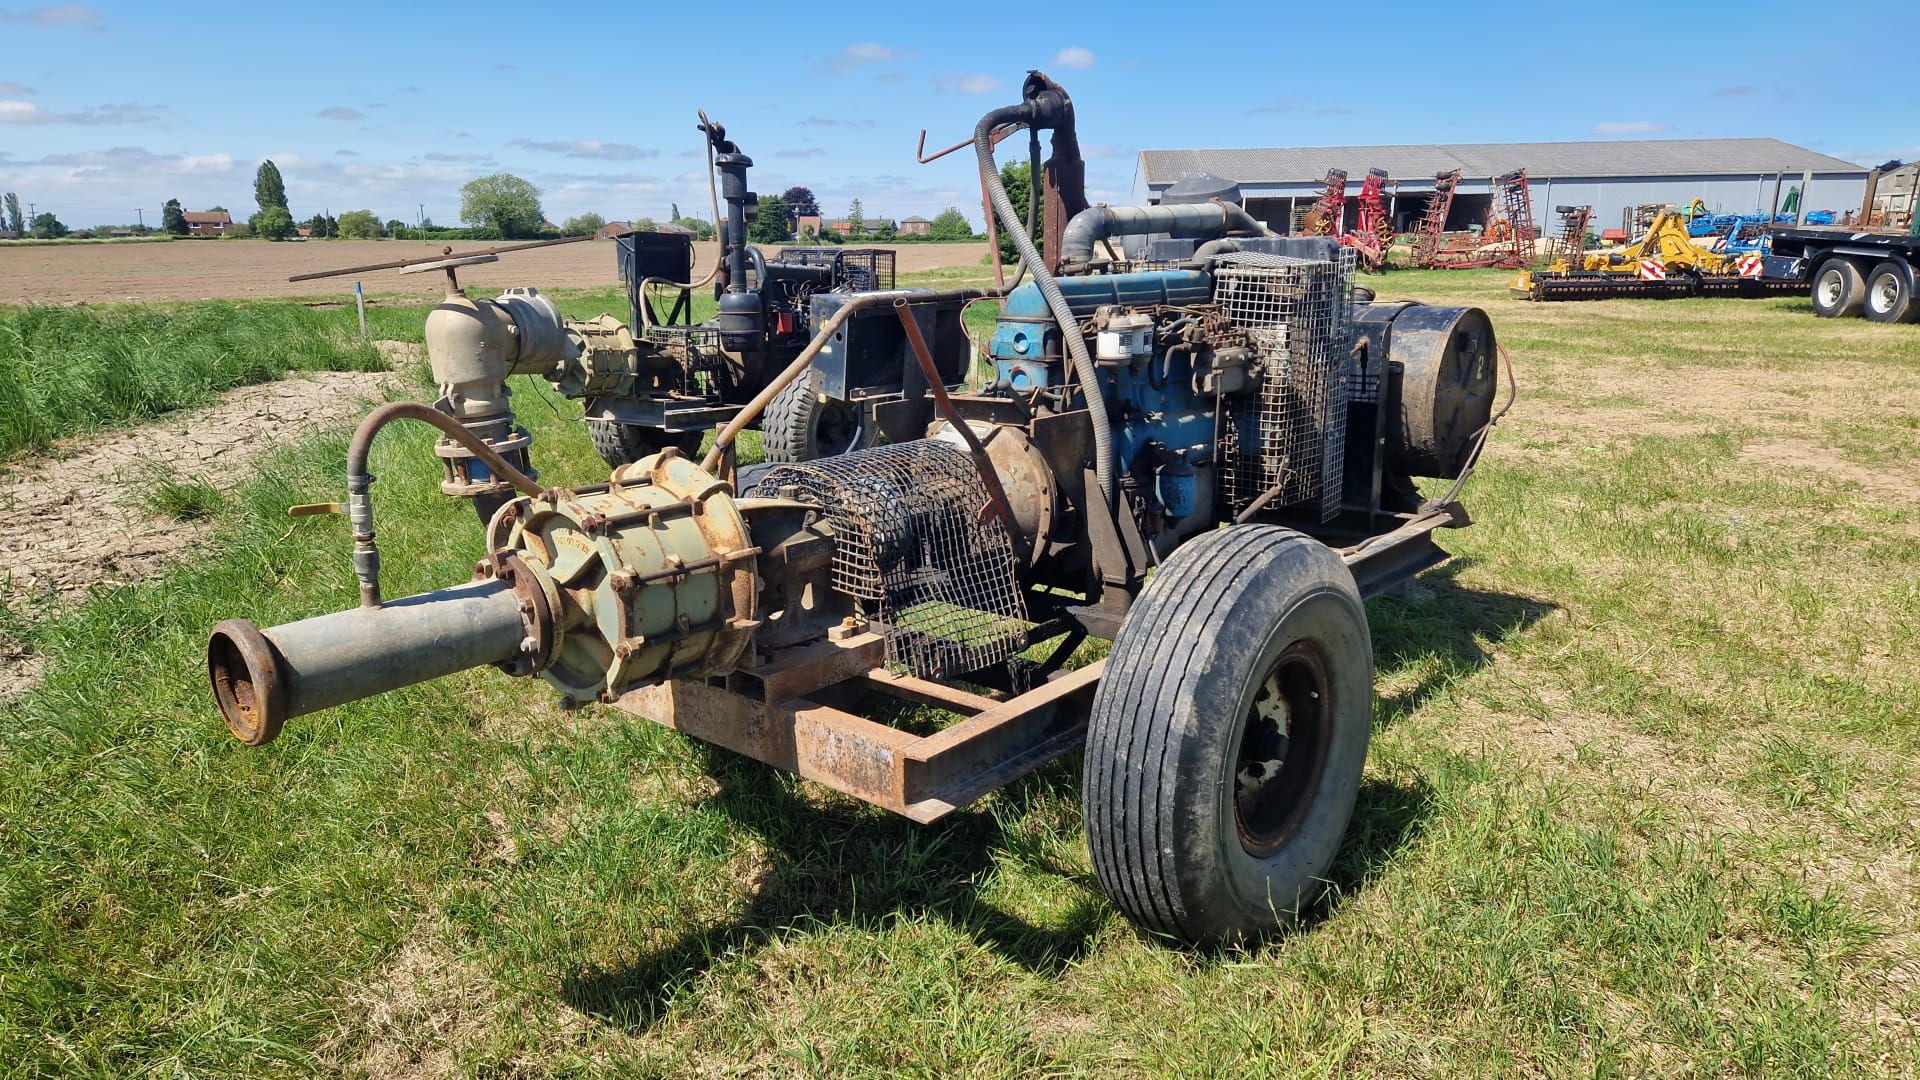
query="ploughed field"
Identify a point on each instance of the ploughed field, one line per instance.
(1640, 799)
(231, 269)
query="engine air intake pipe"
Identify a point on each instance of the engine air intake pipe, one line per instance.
(1208, 219)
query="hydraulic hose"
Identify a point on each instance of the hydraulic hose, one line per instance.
(1063, 316)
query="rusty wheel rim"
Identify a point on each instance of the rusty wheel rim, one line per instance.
(1284, 741)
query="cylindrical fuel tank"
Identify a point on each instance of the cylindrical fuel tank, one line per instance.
(1449, 366)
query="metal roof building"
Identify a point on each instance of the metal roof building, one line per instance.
(1730, 175)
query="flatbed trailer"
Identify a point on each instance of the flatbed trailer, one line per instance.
(1849, 271)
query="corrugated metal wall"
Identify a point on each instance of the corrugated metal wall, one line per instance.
(1611, 196)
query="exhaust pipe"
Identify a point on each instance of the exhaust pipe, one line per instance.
(263, 678)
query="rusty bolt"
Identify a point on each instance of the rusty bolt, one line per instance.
(622, 581)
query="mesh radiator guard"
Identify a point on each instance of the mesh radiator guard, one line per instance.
(912, 552)
(1291, 433)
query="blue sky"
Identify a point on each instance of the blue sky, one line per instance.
(105, 107)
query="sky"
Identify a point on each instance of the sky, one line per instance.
(108, 107)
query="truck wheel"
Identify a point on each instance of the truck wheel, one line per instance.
(1839, 289)
(1889, 296)
(1227, 737)
(802, 424)
(622, 444)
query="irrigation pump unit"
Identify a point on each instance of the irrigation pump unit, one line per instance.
(1207, 456)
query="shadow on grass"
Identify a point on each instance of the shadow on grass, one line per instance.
(1439, 625)
(846, 864)
(843, 863)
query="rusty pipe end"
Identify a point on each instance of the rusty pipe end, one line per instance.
(247, 684)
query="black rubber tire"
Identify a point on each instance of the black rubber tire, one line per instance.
(1174, 843)
(622, 444)
(801, 425)
(1888, 297)
(1839, 288)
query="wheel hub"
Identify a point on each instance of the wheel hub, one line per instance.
(838, 429)
(1284, 741)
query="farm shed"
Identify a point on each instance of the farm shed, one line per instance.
(1612, 176)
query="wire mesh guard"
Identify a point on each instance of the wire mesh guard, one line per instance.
(1290, 436)
(911, 550)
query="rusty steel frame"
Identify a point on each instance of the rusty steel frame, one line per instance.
(770, 712)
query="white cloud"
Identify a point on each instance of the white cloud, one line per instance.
(131, 162)
(806, 152)
(966, 84)
(587, 148)
(860, 54)
(1281, 104)
(339, 112)
(1630, 127)
(26, 112)
(54, 15)
(1075, 57)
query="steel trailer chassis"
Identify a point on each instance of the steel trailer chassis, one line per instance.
(781, 713)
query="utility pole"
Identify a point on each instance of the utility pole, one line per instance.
(420, 221)
(143, 216)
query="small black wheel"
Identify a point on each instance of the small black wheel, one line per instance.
(1839, 289)
(1227, 738)
(1889, 295)
(622, 444)
(802, 424)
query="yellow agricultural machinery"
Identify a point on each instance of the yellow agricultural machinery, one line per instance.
(1664, 264)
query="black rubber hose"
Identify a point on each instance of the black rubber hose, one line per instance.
(1063, 316)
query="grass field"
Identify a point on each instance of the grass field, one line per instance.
(1640, 802)
(68, 370)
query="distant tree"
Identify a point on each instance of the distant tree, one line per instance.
(394, 226)
(675, 215)
(47, 227)
(333, 226)
(502, 201)
(269, 190)
(360, 225)
(1018, 179)
(702, 229)
(800, 202)
(582, 224)
(950, 224)
(646, 224)
(856, 221)
(173, 219)
(770, 225)
(882, 231)
(10, 217)
(216, 209)
(274, 223)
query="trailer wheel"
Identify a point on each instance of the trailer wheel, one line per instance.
(622, 444)
(803, 424)
(1839, 289)
(1889, 295)
(1226, 739)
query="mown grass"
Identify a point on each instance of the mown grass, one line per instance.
(66, 370)
(1639, 802)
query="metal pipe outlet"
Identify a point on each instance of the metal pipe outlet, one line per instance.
(1097, 223)
(261, 678)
